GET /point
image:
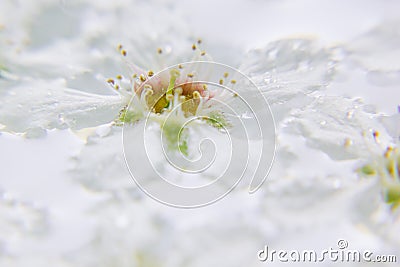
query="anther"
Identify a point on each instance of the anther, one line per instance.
(110, 80)
(348, 142)
(142, 78)
(180, 66)
(119, 47)
(221, 82)
(199, 41)
(388, 151)
(233, 82)
(194, 47)
(205, 86)
(196, 95)
(159, 50)
(123, 52)
(203, 53)
(119, 77)
(150, 73)
(190, 75)
(375, 134)
(226, 75)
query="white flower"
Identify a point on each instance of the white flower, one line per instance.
(53, 73)
(387, 169)
(173, 97)
(313, 189)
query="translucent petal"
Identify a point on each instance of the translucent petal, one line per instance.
(288, 71)
(287, 68)
(342, 128)
(38, 104)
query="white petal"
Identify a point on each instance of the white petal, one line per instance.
(46, 105)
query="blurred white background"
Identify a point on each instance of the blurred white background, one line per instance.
(66, 198)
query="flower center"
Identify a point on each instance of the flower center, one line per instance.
(181, 92)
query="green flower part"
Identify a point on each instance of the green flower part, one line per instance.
(176, 137)
(387, 169)
(171, 99)
(218, 120)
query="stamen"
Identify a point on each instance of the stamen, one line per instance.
(203, 53)
(196, 95)
(178, 91)
(194, 47)
(205, 86)
(348, 142)
(221, 82)
(376, 135)
(110, 80)
(119, 47)
(174, 74)
(233, 81)
(205, 94)
(392, 167)
(159, 50)
(134, 76)
(116, 87)
(149, 92)
(388, 152)
(199, 41)
(123, 52)
(142, 78)
(226, 75)
(119, 77)
(180, 66)
(190, 75)
(150, 73)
